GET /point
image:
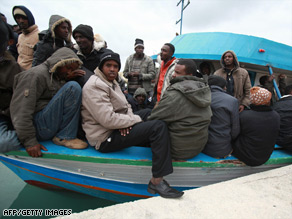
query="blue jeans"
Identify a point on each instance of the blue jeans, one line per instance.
(61, 116)
(8, 137)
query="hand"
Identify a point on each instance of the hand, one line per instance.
(35, 151)
(241, 108)
(75, 73)
(271, 77)
(125, 131)
(132, 74)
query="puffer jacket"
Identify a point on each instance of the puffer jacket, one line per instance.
(284, 108)
(104, 109)
(241, 78)
(33, 90)
(48, 43)
(185, 107)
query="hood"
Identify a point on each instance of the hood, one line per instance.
(235, 60)
(61, 57)
(140, 91)
(96, 46)
(55, 20)
(27, 12)
(194, 89)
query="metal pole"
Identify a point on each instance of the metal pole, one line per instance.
(181, 17)
(275, 84)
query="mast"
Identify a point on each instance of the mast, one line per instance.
(182, 9)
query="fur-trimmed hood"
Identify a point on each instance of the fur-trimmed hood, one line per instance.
(96, 46)
(235, 60)
(55, 20)
(61, 57)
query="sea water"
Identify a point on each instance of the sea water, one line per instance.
(16, 195)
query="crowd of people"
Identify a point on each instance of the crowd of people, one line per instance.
(74, 95)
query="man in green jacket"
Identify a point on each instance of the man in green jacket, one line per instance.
(185, 107)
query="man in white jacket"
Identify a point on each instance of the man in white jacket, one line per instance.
(110, 124)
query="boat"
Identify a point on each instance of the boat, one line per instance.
(124, 175)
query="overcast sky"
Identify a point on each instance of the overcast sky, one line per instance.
(120, 22)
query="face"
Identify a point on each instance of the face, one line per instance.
(110, 70)
(22, 21)
(228, 59)
(179, 70)
(83, 42)
(67, 70)
(165, 53)
(140, 99)
(62, 30)
(139, 50)
(205, 70)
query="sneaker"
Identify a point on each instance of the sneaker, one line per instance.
(71, 143)
(164, 190)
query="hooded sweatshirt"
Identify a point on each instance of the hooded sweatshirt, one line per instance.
(185, 107)
(241, 78)
(33, 90)
(26, 40)
(49, 43)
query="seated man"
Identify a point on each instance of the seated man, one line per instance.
(185, 107)
(259, 128)
(284, 108)
(138, 101)
(45, 107)
(110, 124)
(8, 68)
(224, 126)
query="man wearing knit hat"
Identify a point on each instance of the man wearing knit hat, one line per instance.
(139, 69)
(87, 49)
(224, 126)
(110, 124)
(29, 36)
(259, 128)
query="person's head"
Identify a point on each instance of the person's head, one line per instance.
(260, 96)
(84, 37)
(62, 30)
(167, 52)
(288, 90)
(205, 68)
(229, 60)
(263, 80)
(66, 69)
(184, 67)
(4, 37)
(60, 27)
(140, 95)
(139, 47)
(109, 65)
(217, 81)
(3, 17)
(23, 17)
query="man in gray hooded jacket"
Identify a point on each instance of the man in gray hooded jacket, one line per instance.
(45, 106)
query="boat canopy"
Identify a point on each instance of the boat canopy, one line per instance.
(249, 49)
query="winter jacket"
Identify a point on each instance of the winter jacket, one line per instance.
(185, 107)
(26, 40)
(33, 90)
(224, 126)
(48, 43)
(146, 74)
(284, 108)
(259, 128)
(167, 76)
(91, 61)
(241, 78)
(104, 109)
(8, 68)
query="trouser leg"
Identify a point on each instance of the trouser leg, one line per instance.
(61, 116)
(155, 133)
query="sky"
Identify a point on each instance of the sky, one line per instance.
(120, 22)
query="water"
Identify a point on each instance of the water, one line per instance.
(16, 194)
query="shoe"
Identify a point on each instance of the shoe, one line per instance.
(72, 143)
(164, 190)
